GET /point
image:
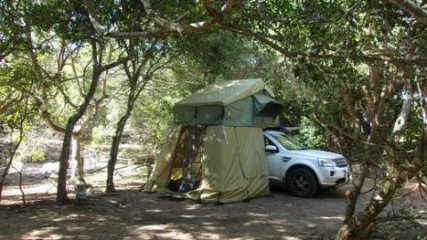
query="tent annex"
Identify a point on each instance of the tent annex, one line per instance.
(215, 150)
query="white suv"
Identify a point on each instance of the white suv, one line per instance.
(300, 170)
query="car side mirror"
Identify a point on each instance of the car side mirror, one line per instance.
(271, 148)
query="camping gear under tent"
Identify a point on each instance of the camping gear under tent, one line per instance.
(215, 150)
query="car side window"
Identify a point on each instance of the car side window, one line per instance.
(268, 141)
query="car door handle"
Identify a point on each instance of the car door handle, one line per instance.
(286, 159)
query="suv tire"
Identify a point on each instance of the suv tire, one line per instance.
(301, 182)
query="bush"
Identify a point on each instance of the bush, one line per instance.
(310, 134)
(102, 134)
(38, 156)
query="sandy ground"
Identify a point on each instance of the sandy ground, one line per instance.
(134, 215)
(130, 214)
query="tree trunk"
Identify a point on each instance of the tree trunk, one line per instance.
(14, 150)
(61, 195)
(134, 91)
(359, 224)
(77, 158)
(3, 176)
(115, 149)
(402, 119)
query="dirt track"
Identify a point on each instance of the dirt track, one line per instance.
(134, 215)
(129, 214)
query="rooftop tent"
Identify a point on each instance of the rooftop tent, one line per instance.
(215, 150)
(240, 103)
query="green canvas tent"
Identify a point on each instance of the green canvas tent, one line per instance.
(215, 150)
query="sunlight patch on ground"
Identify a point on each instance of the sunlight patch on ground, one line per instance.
(209, 236)
(192, 207)
(76, 228)
(47, 231)
(188, 216)
(72, 216)
(258, 215)
(340, 218)
(277, 222)
(154, 227)
(254, 222)
(154, 211)
(30, 189)
(164, 231)
(209, 227)
(422, 222)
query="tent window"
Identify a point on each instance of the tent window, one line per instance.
(184, 114)
(210, 114)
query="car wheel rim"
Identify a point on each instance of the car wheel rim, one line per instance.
(301, 184)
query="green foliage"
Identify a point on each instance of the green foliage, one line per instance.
(16, 75)
(37, 156)
(156, 117)
(310, 134)
(11, 27)
(214, 53)
(102, 134)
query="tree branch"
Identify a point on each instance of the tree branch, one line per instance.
(114, 64)
(46, 115)
(416, 11)
(422, 91)
(10, 100)
(166, 27)
(402, 119)
(314, 55)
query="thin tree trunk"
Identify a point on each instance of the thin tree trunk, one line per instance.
(20, 187)
(5, 173)
(356, 224)
(402, 119)
(353, 195)
(61, 195)
(134, 92)
(422, 98)
(77, 158)
(15, 148)
(115, 149)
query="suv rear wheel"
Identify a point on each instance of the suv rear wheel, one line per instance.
(301, 182)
